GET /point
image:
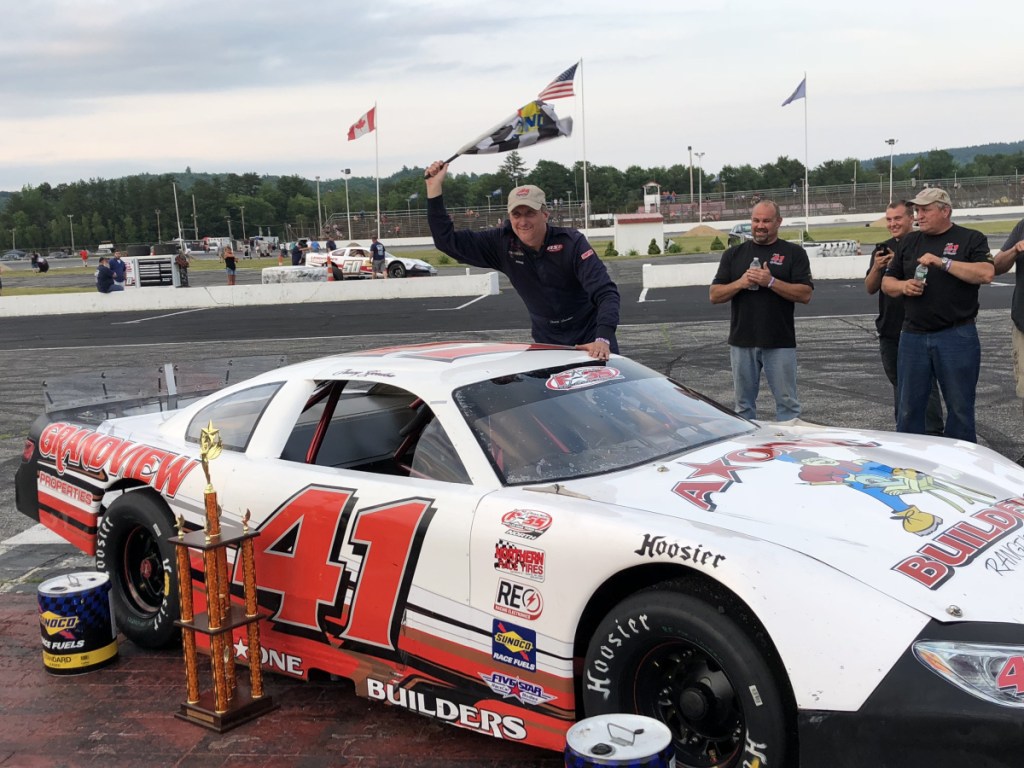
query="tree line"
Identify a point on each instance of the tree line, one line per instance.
(141, 208)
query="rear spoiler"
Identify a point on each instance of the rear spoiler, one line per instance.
(94, 396)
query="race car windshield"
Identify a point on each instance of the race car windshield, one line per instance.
(569, 422)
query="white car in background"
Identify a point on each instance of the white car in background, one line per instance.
(354, 261)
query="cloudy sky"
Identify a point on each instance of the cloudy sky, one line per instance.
(104, 88)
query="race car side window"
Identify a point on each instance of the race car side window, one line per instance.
(235, 416)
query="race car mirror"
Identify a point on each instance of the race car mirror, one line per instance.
(225, 705)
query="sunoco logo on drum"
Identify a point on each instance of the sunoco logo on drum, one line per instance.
(54, 623)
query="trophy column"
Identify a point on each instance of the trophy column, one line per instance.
(225, 705)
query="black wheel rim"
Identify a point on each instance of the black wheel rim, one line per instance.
(142, 572)
(683, 686)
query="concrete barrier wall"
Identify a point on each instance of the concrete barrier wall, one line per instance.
(156, 299)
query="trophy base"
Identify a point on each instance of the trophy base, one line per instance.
(242, 709)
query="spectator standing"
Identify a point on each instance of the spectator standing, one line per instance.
(377, 258)
(182, 261)
(937, 271)
(763, 278)
(117, 267)
(331, 245)
(566, 288)
(297, 250)
(1012, 254)
(105, 278)
(899, 220)
(230, 265)
(85, 257)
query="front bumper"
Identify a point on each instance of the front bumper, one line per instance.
(915, 719)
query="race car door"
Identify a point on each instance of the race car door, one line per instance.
(364, 533)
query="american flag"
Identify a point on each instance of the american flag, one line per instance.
(561, 86)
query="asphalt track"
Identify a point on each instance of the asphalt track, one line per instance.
(676, 331)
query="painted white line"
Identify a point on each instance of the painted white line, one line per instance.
(461, 306)
(37, 534)
(160, 317)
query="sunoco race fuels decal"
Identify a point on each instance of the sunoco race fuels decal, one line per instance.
(515, 645)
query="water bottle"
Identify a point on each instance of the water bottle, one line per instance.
(754, 264)
(921, 273)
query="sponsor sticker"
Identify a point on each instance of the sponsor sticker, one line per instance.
(519, 560)
(429, 703)
(555, 248)
(526, 523)
(519, 600)
(514, 645)
(509, 687)
(578, 378)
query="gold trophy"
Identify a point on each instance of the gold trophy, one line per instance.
(225, 706)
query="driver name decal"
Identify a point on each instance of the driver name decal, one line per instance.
(70, 447)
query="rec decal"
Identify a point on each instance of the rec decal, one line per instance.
(526, 523)
(509, 687)
(962, 543)
(518, 600)
(426, 703)
(578, 378)
(658, 546)
(514, 645)
(519, 560)
(70, 446)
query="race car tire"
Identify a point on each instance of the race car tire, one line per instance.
(396, 269)
(689, 662)
(133, 549)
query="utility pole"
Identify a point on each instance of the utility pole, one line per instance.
(159, 237)
(346, 172)
(319, 217)
(242, 209)
(891, 143)
(690, 150)
(700, 185)
(72, 225)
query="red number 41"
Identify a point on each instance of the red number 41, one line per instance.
(297, 560)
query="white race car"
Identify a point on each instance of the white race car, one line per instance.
(511, 537)
(354, 261)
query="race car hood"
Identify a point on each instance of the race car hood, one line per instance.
(937, 524)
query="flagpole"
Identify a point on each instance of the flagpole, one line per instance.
(583, 132)
(807, 207)
(376, 158)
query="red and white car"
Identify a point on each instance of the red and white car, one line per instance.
(511, 537)
(355, 261)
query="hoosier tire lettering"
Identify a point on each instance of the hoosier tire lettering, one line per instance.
(133, 549)
(688, 661)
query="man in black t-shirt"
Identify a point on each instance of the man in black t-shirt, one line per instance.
(1012, 254)
(899, 220)
(937, 271)
(763, 278)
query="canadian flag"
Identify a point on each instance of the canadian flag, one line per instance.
(364, 124)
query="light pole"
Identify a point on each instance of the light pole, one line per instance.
(346, 172)
(690, 150)
(572, 216)
(195, 222)
(319, 217)
(891, 143)
(242, 209)
(159, 239)
(13, 230)
(700, 185)
(72, 225)
(231, 237)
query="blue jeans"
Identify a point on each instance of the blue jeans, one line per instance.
(779, 366)
(953, 358)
